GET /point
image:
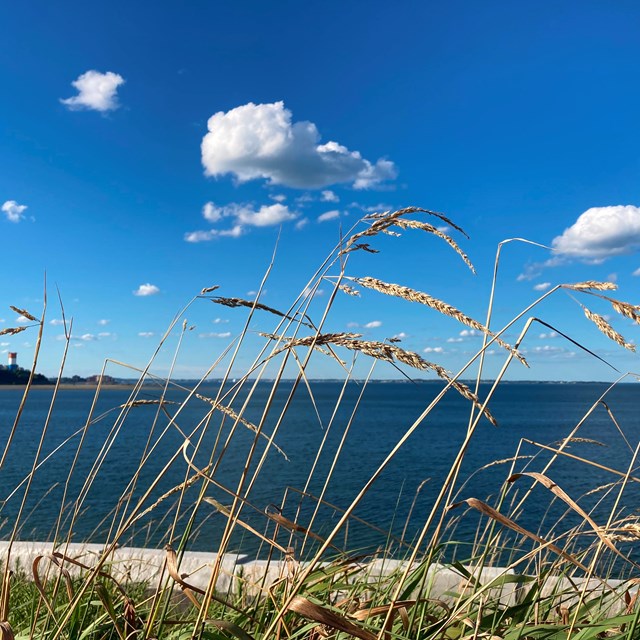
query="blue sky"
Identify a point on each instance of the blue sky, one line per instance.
(153, 149)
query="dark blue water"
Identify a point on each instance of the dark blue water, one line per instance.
(544, 413)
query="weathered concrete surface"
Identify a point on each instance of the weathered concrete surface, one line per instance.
(257, 576)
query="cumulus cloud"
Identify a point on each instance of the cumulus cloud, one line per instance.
(256, 141)
(600, 233)
(96, 91)
(13, 211)
(329, 215)
(374, 324)
(87, 337)
(548, 336)
(400, 336)
(541, 286)
(329, 196)
(242, 216)
(147, 289)
(470, 333)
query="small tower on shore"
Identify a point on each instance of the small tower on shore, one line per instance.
(13, 361)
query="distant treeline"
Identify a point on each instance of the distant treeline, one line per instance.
(20, 376)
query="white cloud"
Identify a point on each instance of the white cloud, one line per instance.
(212, 213)
(329, 196)
(433, 350)
(146, 334)
(260, 141)
(329, 215)
(56, 322)
(147, 289)
(374, 324)
(23, 320)
(103, 322)
(548, 336)
(214, 334)
(547, 348)
(96, 91)
(220, 321)
(400, 336)
(600, 233)
(243, 216)
(455, 339)
(303, 222)
(279, 197)
(315, 292)
(541, 286)
(87, 337)
(636, 272)
(470, 333)
(612, 277)
(13, 211)
(105, 334)
(353, 325)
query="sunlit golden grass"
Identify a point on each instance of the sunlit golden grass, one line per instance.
(571, 577)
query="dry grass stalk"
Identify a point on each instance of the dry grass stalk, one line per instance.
(23, 312)
(591, 284)
(141, 403)
(383, 221)
(328, 618)
(412, 295)
(625, 309)
(239, 302)
(348, 290)
(627, 533)
(10, 331)
(607, 329)
(238, 418)
(578, 441)
(209, 289)
(424, 226)
(387, 215)
(383, 351)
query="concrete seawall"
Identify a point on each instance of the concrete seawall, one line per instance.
(254, 576)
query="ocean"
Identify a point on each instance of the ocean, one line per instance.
(362, 422)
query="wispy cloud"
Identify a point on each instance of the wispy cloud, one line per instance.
(256, 141)
(147, 289)
(541, 286)
(214, 334)
(374, 324)
(241, 216)
(146, 334)
(329, 215)
(13, 211)
(103, 322)
(302, 223)
(96, 91)
(329, 196)
(56, 322)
